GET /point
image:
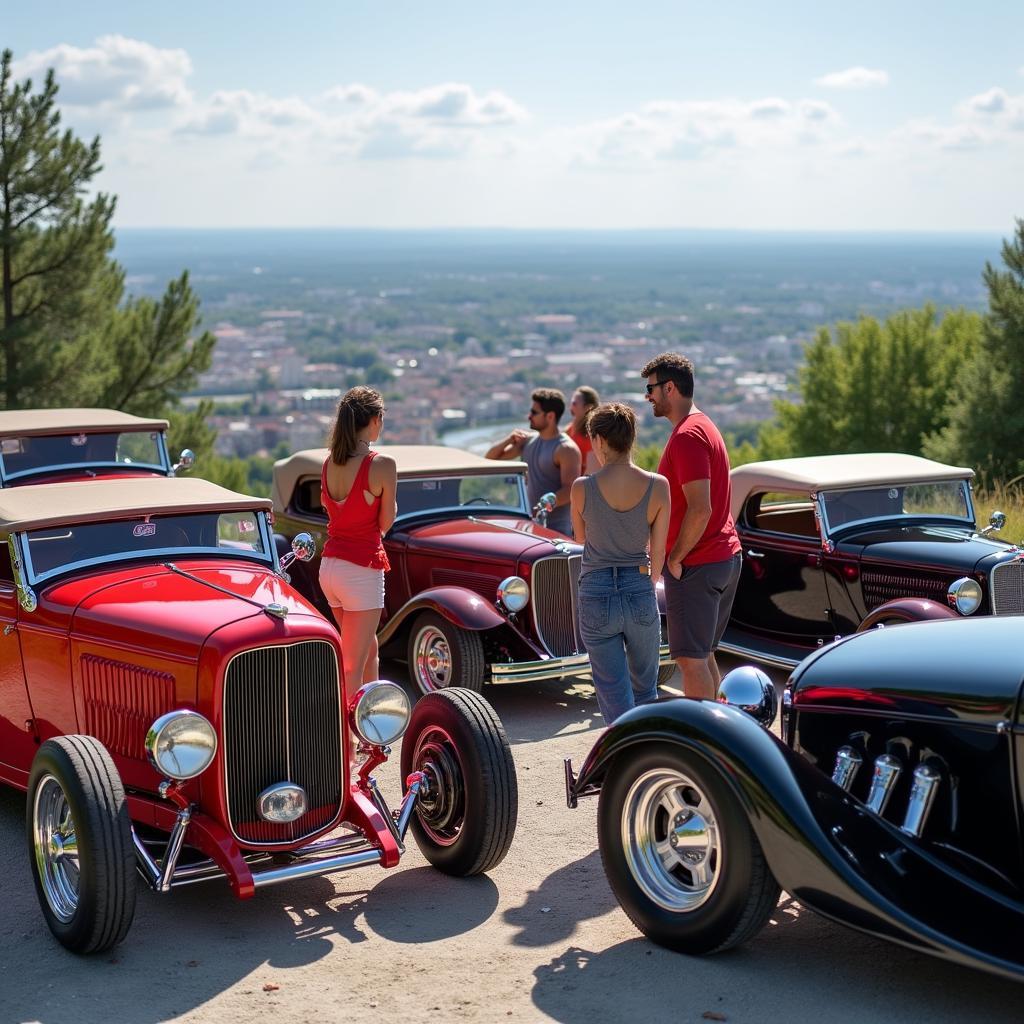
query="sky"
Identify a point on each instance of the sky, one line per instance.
(798, 116)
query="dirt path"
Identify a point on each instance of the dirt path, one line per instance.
(540, 939)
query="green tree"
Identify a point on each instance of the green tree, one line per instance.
(65, 336)
(986, 420)
(871, 386)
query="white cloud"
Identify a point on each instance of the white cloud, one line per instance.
(854, 78)
(116, 73)
(994, 101)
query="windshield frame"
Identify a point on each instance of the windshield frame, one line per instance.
(461, 511)
(267, 559)
(829, 530)
(163, 467)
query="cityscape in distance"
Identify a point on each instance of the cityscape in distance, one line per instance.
(457, 327)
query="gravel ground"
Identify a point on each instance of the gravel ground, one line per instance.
(539, 939)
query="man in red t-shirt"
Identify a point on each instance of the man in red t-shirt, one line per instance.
(702, 562)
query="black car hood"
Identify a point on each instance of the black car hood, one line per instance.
(945, 547)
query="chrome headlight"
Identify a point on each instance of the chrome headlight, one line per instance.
(514, 593)
(181, 744)
(751, 690)
(380, 712)
(965, 596)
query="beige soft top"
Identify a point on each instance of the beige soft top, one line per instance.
(834, 472)
(29, 422)
(411, 459)
(40, 506)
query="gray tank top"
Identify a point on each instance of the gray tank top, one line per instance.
(544, 476)
(614, 537)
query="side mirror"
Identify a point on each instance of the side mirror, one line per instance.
(544, 507)
(750, 690)
(303, 549)
(186, 460)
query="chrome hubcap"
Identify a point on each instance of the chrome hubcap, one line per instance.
(433, 659)
(56, 848)
(671, 839)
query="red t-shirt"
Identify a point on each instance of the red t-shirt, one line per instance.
(583, 442)
(696, 451)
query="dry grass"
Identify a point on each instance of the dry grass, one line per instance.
(1009, 500)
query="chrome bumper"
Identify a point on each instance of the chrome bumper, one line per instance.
(553, 668)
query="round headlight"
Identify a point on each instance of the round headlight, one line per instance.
(513, 593)
(380, 712)
(965, 596)
(181, 744)
(751, 690)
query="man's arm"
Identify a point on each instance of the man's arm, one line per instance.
(695, 521)
(510, 447)
(567, 459)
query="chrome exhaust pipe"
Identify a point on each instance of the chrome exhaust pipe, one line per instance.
(922, 796)
(848, 762)
(883, 779)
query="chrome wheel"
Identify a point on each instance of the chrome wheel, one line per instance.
(432, 659)
(671, 839)
(442, 808)
(56, 849)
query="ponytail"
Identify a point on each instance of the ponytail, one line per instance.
(357, 407)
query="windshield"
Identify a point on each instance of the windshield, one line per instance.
(491, 492)
(160, 538)
(31, 455)
(947, 499)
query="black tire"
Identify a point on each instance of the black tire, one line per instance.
(713, 889)
(465, 823)
(441, 654)
(88, 896)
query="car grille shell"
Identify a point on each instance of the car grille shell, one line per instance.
(1006, 586)
(555, 600)
(282, 722)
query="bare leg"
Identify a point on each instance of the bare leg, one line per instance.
(698, 681)
(359, 647)
(716, 675)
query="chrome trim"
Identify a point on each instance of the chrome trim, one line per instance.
(174, 845)
(552, 668)
(385, 812)
(26, 595)
(848, 762)
(306, 869)
(922, 797)
(1007, 598)
(883, 778)
(555, 610)
(775, 661)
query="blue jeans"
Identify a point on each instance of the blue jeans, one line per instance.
(621, 631)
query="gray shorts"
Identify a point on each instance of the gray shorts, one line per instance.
(699, 606)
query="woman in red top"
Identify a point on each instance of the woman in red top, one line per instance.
(357, 487)
(584, 402)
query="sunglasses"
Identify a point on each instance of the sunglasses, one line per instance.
(657, 384)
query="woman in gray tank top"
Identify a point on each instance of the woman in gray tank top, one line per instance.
(620, 514)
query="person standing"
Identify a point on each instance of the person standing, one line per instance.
(551, 457)
(620, 514)
(584, 401)
(357, 488)
(703, 561)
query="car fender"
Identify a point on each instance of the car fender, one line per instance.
(906, 609)
(459, 605)
(823, 846)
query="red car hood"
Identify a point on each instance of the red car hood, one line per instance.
(153, 607)
(494, 537)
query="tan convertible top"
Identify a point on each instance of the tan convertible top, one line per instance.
(29, 422)
(831, 472)
(411, 459)
(41, 506)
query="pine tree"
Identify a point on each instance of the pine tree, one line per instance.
(986, 420)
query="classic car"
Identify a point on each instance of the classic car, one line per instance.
(171, 705)
(478, 592)
(892, 803)
(837, 543)
(38, 445)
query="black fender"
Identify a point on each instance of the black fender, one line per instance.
(823, 846)
(907, 609)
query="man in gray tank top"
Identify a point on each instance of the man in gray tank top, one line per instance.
(552, 458)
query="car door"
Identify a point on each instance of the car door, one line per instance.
(782, 591)
(17, 742)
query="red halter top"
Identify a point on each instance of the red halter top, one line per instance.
(352, 530)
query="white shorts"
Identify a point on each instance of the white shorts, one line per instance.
(351, 587)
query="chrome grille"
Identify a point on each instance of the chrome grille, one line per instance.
(879, 587)
(282, 722)
(1006, 582)
(554, 590)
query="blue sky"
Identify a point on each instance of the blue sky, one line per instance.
(796, 116)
